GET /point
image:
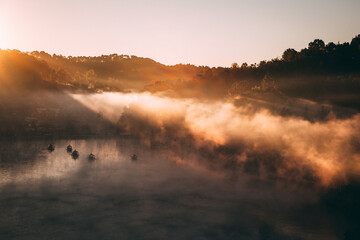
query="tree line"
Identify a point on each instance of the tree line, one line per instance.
(323, 72)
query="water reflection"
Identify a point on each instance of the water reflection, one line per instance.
(45, 195)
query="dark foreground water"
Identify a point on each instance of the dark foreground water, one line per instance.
(47, 195)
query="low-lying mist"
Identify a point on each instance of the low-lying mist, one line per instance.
(229, 140)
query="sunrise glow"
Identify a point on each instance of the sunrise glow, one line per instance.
(214, 33)
(180, 119)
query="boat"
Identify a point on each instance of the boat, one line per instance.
(92, 157)
(75, 154)
(69, 148)
(51, 148)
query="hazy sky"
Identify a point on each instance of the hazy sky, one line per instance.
(201, 32)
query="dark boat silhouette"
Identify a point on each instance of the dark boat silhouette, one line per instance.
(92, 157)
(69, 148)
(134, 157)
(51, 148)
(75, 154)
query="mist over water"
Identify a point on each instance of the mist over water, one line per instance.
(219, 133)
(150, 198)
(205, 170)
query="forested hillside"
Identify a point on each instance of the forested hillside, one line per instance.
(320, 72)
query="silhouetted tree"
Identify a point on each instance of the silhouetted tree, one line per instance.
(317, 44)
(289, 55)
(234, 65)
(355, 42)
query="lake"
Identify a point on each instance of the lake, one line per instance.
(49, 195)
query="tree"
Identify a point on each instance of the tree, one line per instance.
(244, 65)
(330, 47)
(355, 42)
(317, 44)
(268, 83)
(289, 55)
(234, 65)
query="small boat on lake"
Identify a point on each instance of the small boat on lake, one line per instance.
(69, 148)
(92, 157)
(51, 148)
(75, 154)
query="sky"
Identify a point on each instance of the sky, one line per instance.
(200, 32)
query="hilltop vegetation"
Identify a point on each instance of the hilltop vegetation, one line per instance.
(321, 72)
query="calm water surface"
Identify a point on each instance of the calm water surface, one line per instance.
(47, 195)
